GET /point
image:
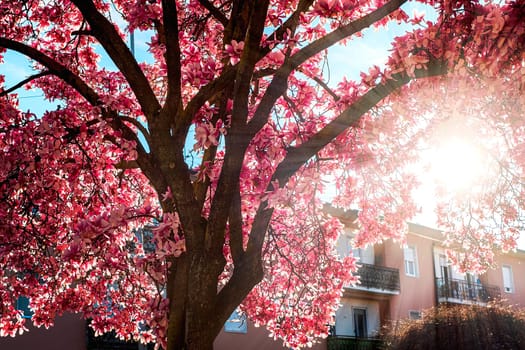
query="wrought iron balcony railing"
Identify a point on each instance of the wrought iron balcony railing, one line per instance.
(378, 278)
(465, 292)
(352, 343)
(109, 341)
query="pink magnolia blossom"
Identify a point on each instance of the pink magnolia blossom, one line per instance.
(158, 194)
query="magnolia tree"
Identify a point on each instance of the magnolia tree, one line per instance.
(221, 145)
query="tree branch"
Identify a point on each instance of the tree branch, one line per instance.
(23, 82)
(201, 187)
(290, 24)
(54, 68)
(279, 83)
(235, 215)
(218, 15)
(139, 126)
(228, 74)
(276, 89)
(249, 58)
(323, 85)
(171, 35)
(206, 93)
(62, 72)
(345, 31)
(236, 142)
(127, 164)
(247, 273)
(298, 156)
(109, 38)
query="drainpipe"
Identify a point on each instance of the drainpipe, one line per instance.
(436, 298)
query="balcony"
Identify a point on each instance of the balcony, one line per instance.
(465, 292)
(378, 279)
(352, 343)
(109, 341)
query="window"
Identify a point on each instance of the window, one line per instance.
(360, 323)
(236, 323)
(445, 270)
(365, 255)
(414, 315)
(22, 304)
(145, 236)
(508, 281)
(410, 261)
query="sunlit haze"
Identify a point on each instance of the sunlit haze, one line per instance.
(456, 164)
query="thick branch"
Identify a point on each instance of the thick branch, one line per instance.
(228, 74)
(171, 35)
(109, 38)
(127, 164)
(235, 215)
(247, 273)
(206, 93)
(279, 83)
(236, 143)
(345, 31)
(276, 89)
(219, 16)
(62, 72)
(177, 288)
(298, 156)
(54, 68)
(247, 63)
(23, 82)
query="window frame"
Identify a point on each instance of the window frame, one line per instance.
(510, 281)
(415, 260)
(412, 315)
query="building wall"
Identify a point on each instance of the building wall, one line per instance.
(257, 338)
(344, 320)
(69, 333)
(495, 277)
(416, 293)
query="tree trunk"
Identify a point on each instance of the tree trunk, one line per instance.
(194, 319)
(197, 339)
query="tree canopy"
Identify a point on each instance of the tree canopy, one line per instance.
(215, 153)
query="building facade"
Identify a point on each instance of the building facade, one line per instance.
(396, 282)
(401, 281)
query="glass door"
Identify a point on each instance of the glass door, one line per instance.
(360, 323)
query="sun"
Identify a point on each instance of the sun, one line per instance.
(459, 161)
(459, 156)
(456, 164)
(451, 167)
